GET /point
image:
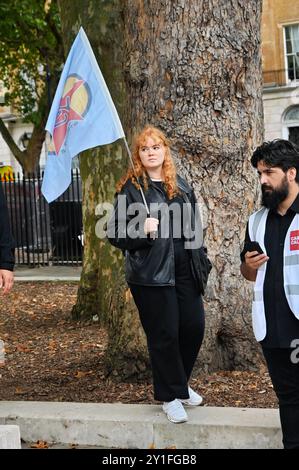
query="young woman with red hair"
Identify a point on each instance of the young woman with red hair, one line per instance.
(158, 268)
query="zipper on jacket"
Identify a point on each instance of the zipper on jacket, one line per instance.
(171, 237)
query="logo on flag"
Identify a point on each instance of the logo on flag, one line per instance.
(82, 116)
(73, 106)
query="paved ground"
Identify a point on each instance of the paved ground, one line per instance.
(48, 273)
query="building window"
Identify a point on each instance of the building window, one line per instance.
(292, 51)
(24, 140)
(76, 163)
(291, 124)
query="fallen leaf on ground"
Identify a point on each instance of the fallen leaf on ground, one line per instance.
(39, 445)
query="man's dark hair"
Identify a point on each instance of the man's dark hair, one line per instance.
(281, 153)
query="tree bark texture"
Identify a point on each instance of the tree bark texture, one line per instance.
(193, 68)
(103, 293)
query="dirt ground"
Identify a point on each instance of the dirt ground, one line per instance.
(48, 357)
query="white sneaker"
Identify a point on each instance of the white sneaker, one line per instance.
(175, 411)
(194, 398)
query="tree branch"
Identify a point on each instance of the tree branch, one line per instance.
(17, 153)
(52, 26)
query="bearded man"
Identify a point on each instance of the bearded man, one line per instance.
(270, 258)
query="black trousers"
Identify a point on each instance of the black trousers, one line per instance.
(285, 378)
(173, 321)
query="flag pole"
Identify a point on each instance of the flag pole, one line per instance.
(140, 188)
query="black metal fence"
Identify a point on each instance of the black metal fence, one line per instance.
(45, 234)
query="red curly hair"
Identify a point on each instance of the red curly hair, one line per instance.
(168, 168)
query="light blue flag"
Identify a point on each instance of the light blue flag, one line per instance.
(82, 116)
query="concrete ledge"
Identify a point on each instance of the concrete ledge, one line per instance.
(10, 437)
(143, 426)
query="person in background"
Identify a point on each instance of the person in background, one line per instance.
(6, 248)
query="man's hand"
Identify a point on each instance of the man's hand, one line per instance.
(6, 280)
(253, 260)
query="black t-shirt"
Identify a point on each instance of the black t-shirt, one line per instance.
(282, 325)
(175, 213)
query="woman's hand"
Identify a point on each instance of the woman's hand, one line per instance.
(151, 226)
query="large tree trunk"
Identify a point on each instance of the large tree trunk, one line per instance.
(103, 293)
(193, 68)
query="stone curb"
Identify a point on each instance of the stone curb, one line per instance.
(143, 426)
(10, 437)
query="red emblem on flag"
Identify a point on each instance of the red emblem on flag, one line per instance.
(70, 108)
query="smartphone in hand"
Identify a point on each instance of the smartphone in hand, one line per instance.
(254, 246)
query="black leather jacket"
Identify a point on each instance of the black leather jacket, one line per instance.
(148, 262)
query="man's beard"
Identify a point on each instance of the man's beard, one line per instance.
(273, 197)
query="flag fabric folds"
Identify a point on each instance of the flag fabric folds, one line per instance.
(82, 116)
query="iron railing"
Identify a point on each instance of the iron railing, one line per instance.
(45, 234)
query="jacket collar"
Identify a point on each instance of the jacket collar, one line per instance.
(183, 185)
